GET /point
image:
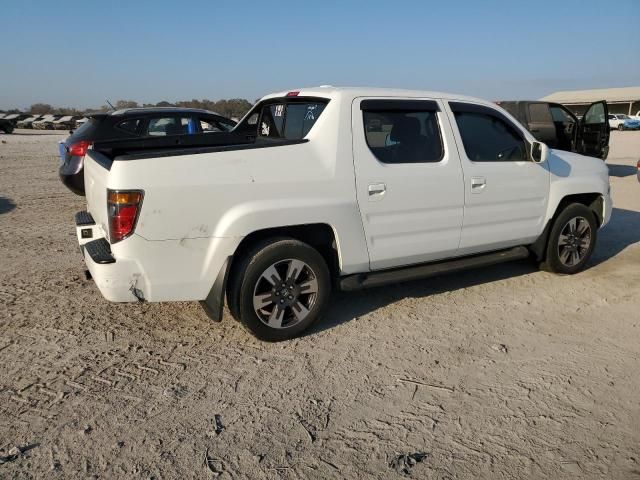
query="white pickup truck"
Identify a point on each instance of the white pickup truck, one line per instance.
(343, 188)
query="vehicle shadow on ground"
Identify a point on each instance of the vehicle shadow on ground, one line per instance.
(621, 170)
(346, 306)
(623, 230)
(6, 205)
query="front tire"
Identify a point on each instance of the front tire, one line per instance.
(280, 288)
(571, 241)
(621, 127)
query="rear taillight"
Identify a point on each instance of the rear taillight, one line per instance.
(123, 207)
(79, 149)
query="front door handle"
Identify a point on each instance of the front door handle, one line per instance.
(376, 190)
(478, 184)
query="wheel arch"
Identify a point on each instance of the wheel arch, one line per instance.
(320, 236)
(594, 201)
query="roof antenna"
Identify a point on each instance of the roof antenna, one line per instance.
(112, 107)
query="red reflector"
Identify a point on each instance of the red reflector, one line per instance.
(79, 149)
(123, 208)
(293, 94)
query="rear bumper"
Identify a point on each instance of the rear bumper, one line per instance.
(117, 281)
(136, 269)
(71, 174)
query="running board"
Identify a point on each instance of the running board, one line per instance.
(359, 281)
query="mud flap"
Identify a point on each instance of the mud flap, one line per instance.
(214, 303)
(539, 247)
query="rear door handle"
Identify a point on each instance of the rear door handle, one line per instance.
(376, 190)
(478, 184)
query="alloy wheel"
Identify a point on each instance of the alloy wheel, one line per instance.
(574, 241)
(285, 293)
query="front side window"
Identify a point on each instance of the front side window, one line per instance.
(489, 138)
(595, 114)
(560, 115)
(290, 121)
(209, 126)
(129, 126)
(399, 136)
(226, 126)
(162, 126)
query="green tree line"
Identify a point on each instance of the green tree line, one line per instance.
(234, 107)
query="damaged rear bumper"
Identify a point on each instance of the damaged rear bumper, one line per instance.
(137, 269)
(118, 281)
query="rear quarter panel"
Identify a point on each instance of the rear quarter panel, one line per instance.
(231, 194)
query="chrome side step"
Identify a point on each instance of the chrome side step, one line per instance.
(359, 281)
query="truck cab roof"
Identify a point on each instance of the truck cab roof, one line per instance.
(354, 92)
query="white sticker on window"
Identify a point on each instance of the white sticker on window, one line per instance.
(279, 110)
(264, 129)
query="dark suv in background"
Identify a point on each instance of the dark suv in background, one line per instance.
(559, 128)
(136, 127)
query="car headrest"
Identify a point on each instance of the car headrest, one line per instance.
(405, 130)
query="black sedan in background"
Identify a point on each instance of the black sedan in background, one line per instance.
(149, 126)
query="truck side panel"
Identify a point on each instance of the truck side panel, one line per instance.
(197, 208)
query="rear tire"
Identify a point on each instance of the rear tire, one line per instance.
(279, 289)
(621, 127)
(571, 240)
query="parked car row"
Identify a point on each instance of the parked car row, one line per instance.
(41, 122)
(6, 126)
(620, 121)
(136, 128)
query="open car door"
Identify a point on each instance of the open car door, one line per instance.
(593, 131)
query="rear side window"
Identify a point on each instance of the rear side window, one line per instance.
(129, 126)
(488, 138)
(403, 136)
(290, 121)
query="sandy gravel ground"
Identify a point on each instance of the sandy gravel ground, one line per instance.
(502, 373)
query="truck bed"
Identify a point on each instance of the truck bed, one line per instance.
(152, 146)
(133, 149)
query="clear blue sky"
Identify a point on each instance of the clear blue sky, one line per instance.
(78, 53)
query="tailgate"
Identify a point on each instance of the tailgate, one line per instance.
(96, 176)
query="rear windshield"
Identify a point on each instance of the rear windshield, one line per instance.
(86, 130)
(284, 119)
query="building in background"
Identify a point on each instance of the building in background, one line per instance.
(619, 100)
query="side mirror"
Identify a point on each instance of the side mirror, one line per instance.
(539, 152)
